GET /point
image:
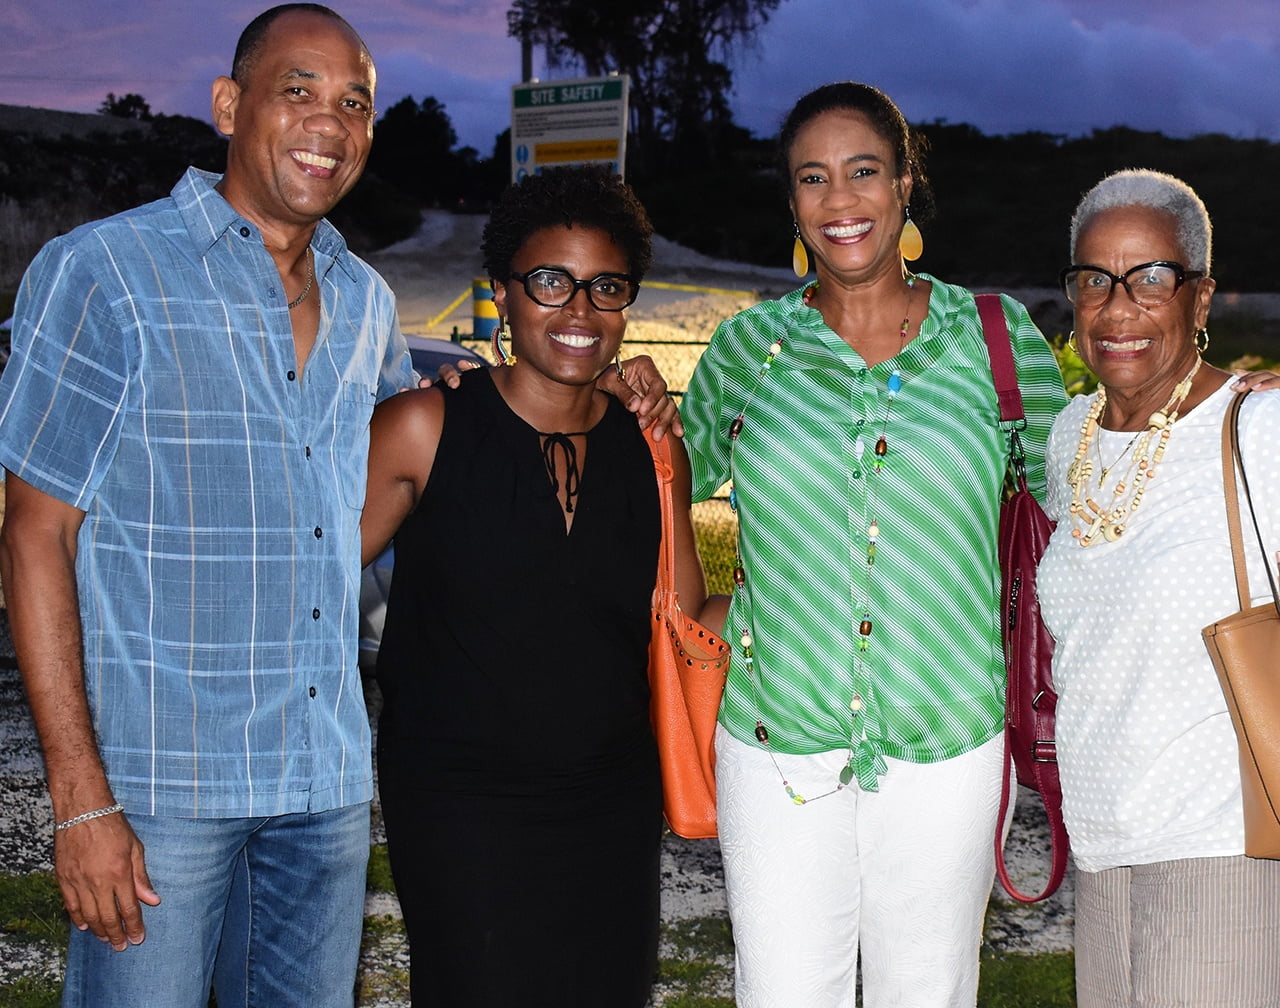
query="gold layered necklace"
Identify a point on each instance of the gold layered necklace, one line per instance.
(1093, 522)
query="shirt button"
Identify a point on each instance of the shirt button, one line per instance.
(271, 292)
(245, 232)
(291, 375)
(315, 613)
(312, 691)
(319, 532)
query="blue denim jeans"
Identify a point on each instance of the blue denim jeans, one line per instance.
(268, 910)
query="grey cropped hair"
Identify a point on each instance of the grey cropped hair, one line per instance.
(1142, 187)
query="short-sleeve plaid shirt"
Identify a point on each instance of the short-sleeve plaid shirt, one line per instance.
(932, 682)
(154, 385)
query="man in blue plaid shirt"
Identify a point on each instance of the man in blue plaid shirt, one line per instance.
(184, 425)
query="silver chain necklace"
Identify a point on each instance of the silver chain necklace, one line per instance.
(311, 276)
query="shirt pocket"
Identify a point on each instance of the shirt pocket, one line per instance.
(351, 440)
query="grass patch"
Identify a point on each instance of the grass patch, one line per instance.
(31, 913)
(696, 963)
(716, 530)
(383, 942)
(31, 909)
(31, 992)
(1027, 981)
(379, 873)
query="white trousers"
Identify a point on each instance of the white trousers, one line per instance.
(904, 874)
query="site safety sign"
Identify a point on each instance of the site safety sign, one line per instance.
(580, 121)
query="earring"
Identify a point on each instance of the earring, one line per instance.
(910, 242)
(799, 255)
(1201, 340)
(617, 364)
(1071, 343)
(500, 355)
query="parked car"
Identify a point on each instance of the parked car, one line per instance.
(375, 581)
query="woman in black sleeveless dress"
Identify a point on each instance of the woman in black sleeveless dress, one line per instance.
(517, 768)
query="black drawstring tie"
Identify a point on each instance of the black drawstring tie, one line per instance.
(572, 477)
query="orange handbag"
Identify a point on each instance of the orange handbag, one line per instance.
(687, 668)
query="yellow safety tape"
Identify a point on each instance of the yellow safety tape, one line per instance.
(698, 290)
(449, 311)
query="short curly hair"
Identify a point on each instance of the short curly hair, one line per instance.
(589, 196)
(1154, 190)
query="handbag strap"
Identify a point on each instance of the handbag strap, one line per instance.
(1232, 461)
(995, 330)
(1004, 375)
(665, 472)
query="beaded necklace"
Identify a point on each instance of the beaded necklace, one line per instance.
(857, 703)
(1092, 522)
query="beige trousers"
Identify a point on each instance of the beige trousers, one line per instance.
(1194, 933)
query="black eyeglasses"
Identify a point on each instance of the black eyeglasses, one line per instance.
(555, 288)
(1149, 285)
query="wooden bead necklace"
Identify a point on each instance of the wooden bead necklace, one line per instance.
(1090, 521)
(857, 703)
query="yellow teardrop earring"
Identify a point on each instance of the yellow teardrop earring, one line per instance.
(910, 242)
(500, 355)
(799, 255)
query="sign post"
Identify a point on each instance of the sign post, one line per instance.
(569, 122)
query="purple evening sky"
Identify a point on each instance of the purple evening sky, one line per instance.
(1059, 66)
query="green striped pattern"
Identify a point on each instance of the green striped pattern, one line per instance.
(933, 681)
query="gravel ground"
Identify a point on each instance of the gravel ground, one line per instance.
(429, 272)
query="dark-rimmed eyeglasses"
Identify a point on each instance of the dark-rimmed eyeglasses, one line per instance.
(1149, 285)
(555, 288)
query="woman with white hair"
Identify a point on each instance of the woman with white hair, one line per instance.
(1169, 910)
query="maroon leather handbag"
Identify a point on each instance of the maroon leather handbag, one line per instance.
(1031, 701)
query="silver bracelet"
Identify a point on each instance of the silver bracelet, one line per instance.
(86, 816)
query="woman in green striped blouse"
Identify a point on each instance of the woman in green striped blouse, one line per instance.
(860, 737)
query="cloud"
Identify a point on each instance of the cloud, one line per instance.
(1009, 66)
(1058, 66)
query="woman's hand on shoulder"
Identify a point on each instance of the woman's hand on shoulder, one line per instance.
(640, 387)
(449, 374)
(1256, 381)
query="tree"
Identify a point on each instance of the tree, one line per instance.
(413, 150)
(673, 51)
(129, 106)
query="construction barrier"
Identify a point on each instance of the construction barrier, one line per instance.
(484, 312)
